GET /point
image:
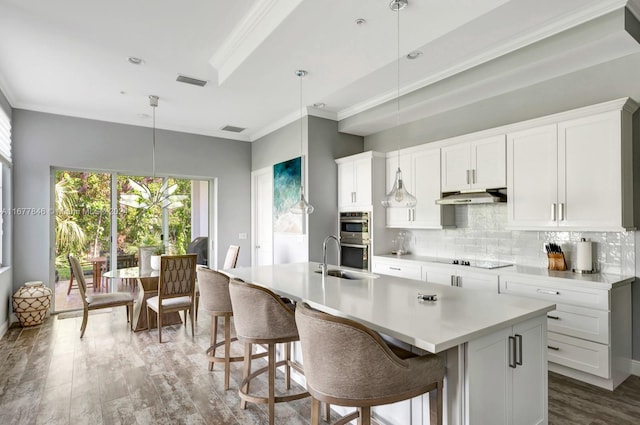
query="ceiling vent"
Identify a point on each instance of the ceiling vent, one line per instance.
(192, 81)
(233, 129)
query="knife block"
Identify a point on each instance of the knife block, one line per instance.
(557, 261)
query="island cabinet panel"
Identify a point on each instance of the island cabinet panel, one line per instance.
(575, 174)
(506, 376)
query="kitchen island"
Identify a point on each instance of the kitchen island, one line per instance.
(494, 345)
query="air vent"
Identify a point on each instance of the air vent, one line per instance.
(233, 129)
(192, 81)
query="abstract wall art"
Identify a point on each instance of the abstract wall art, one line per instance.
(287, 177)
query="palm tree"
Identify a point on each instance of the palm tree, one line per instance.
(69, 235)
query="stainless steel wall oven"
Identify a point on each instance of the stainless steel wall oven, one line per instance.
(354, 239)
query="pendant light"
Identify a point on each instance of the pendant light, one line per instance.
(302, 206)
(144, 198)
(399, 196)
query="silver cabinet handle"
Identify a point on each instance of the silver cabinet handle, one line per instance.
(561, 211)
(468, 180)
(458, 282)
(519, 350)
(257, 246)
(553, 212)
(553, 317)
(553, 348)
(353, 197)
(512, 354)
(548, 292)
(473, 176)
(409, 214)
(395, 268)
(453, 280)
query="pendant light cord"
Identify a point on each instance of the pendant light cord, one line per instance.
(398, 88)
(153, 154)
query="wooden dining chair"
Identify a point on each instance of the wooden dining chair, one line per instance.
(98, 301)
(176, 289)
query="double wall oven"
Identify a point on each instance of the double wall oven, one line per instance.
(355, 239)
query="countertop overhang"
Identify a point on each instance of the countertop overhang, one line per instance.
(390, 304)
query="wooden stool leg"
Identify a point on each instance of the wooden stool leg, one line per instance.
(315, 412)
(365, 416)
(287, 368)
(435, 404)
(246, 373)
(227, 349)
(327, 412)
(213, 339)
(272, 382)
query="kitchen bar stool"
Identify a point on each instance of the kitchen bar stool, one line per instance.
(261, 317)
(348, 364)
(214, 291)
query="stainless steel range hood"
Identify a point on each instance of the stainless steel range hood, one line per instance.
(491, 196)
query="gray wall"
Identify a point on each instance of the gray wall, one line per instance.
(42, 141)
(6, 272)
(322, 144)
(612, 80)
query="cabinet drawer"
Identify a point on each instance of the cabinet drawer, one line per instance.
(579, 354)
(409, 271)
(579, 322)
(559, 294)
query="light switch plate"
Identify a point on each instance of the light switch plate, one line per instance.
(242, 236)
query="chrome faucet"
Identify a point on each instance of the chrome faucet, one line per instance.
(324, 252)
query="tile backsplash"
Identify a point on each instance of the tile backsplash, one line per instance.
(481, 235)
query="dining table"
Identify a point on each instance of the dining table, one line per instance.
(147, 287)
(98, 264)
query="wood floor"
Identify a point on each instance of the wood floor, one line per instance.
(113, 376)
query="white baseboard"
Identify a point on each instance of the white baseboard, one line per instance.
(635, 367)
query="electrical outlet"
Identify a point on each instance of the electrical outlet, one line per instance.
(242, 236)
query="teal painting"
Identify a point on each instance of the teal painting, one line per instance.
(287, 177)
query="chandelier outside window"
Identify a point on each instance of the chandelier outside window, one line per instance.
(302, 206)
(399, 196)
(144, 198)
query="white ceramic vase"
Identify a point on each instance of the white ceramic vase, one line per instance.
(155, 262)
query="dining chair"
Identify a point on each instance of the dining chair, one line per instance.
(98, 301)
(71, 276)
(176, 289)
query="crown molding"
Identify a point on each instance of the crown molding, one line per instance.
(287, 119)
(559, 25)
(261, 20)
(322, 113)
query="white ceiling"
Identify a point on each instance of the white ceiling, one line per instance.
(69, 57)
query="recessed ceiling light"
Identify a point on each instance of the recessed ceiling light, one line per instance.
(123, 92)
(414, 55)
(134, 60)
(319, 105)
(361, 21)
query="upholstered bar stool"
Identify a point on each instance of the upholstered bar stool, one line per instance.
(214, 291)
(348, 364)
(261, 317)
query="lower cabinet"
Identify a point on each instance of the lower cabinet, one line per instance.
(396, 268)
(507, 379)
(463, 278)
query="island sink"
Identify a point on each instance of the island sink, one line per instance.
(348, 274)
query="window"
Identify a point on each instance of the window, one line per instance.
(5, 158)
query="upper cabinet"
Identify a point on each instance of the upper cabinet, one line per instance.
(421, 175)
(356, 180)
(573, 175)
(475, 165)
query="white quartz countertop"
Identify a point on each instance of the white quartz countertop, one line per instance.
(389, 304)
(595, 280)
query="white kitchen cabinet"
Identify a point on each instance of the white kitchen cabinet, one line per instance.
(400, 268)
(506, 375)
(572, 175)
(589, 331)
(355, 180)
(476, 165)
(421, 176)
(456, 276)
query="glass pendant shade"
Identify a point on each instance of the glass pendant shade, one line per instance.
(302, 206)
(399, 197)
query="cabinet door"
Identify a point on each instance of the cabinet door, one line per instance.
(456, 168)
(346, 178)
(489, 163)
(476, 280)
(439, 275)
(397, 268)
(530, 374)
(532, 173)
(425, 185)
(362, 182)
(590, 175)
(398, 217)
(489, 379)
